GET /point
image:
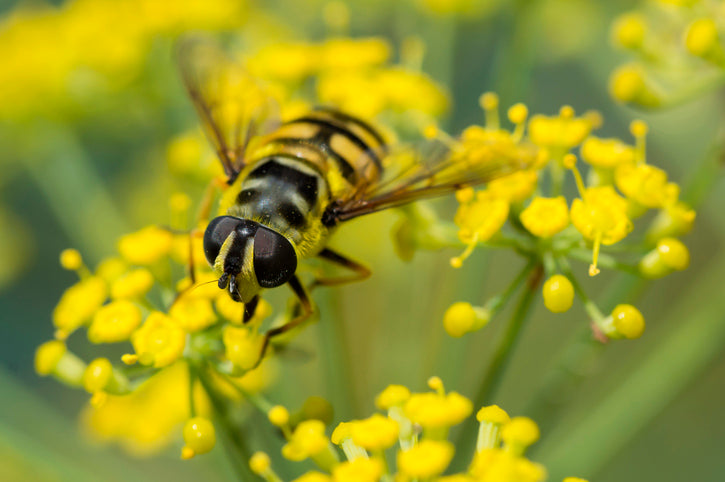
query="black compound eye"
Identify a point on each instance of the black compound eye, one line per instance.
(216, 233)
(275, 260)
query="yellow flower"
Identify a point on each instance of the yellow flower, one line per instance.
(193, 313)
(133, 284)
(48, 355)
(435, 410)
(346, 53)
(114, 322)
(286, 61)
(545, 217)
(78, 304)
(243, 346)
(71, 259)
(308, 440)
(559, 133)
(606, 153)
(491, 419)
(392, 396)
(426, 459)
(514, 187)
(110, 269)
(646, 185)
(481, 218)
(702, 39)
(145, 246)
(159, 341)
(518, 434)
(629, 31)
(369, 93)
(358, 470)
(628, 84)
(496, 465)
(600, 217)
(374, 433)
(313, 476)
(259, 463)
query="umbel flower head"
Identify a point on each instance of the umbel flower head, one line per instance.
(414, 426)
(528, 211)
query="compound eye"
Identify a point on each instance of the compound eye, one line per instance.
(216, 233)
(275, 260)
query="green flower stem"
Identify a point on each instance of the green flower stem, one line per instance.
(507, 343)
(335, 362)
(235, 444)
(502, 355)
(605, 261)
(192, 381)
(257, 401)
(695, 339)
(708, 172)
(693, 90)
(499, 302)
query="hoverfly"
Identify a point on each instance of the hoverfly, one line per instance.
(290, 184)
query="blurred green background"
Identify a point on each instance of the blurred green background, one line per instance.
(85, 162)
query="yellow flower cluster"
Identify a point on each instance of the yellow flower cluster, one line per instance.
(527, 210)
(415, 425)
(181, 333)
(677, 49)
(52, 55)
(352, 74)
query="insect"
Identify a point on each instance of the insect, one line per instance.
(291, 184)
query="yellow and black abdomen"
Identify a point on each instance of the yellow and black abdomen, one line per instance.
(300, 169)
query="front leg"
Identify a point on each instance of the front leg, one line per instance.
(306, 305)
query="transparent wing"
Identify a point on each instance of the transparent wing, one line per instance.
(233, 106)
(431, 170)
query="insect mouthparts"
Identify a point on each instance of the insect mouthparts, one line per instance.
(224, 281)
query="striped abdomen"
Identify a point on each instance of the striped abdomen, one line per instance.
(302, 167)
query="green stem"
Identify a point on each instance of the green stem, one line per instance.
(605, 261)
(507, 343)
(693, 90)
(335, 358)
(502, 355)
(235, 445)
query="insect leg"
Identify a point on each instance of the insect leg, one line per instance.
(250, 308)
(361, 272)
(207, 201)
(306, 305)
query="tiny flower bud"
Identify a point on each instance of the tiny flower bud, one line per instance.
(71, 259)
(558, 294)
(461, 318)
(199, 436)
(628, 321)
(278, 416)
(259, 463)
